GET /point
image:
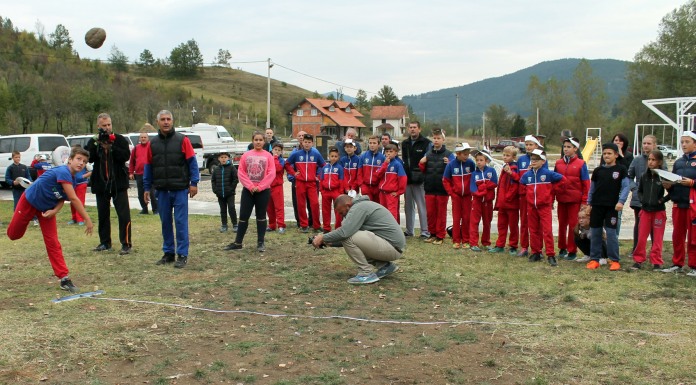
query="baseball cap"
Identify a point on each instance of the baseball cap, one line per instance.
(532, 138)
(462, 147)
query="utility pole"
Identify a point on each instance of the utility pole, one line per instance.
(537, 122)
(483, 130)
(268, 103)
(457, 125)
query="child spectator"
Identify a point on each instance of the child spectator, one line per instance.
(507, 204)
(276, 205)
(571, 197)
(433, 167)
(608, 193)
(304, 165)
(224, 181)
(531, 143)
(351, 166)
(14, 171)
(392, 181)
(680, 194)
(483, 183)
(539, 184)
(44, 199)
(456, 180)
(652, 214)
(41, 165)
(371, 162)
(81, 182)
(581, 236)
(136, 168)
(332, 184)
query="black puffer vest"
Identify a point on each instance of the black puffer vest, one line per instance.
(434, 170)
(170, 171)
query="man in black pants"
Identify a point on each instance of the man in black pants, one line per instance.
(109, 152)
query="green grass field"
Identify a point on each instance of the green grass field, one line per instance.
(503, 320)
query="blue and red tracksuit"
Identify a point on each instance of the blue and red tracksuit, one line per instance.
(371, 162)
(539, 184)
(332, 184)
(392, 184)
(523, 164)
(508, 206)
(351, 171)
(570, 198)
(683, 228)
(457, 179)
(304, 166)
(483, 183)
(276, 205)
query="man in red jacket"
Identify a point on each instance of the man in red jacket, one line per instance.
(571, 197)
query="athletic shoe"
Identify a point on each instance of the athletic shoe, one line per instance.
(673, 269)
(233, 246)
(261, 248)
(223, 228)
(466, 245)
(496, 249)
(125, 250)
(166, 258)
(234, 228)
(36, 222)
(387, 269)
(562, 253)
(475, 248)
(430, 239)
(552, 261)
(304, 230)
(424, 237)
(592, 265)
(614, 266)
(636, 266)
(407, 234)
(281, 230)
(513, 251)
(80, 223)
(692, 273)
(181, 261)
(522, 253)
(536, 257)
(571, 256)
(71, 222)
(102, 247)
(585, 258)
(602, 261)
(437, 241)
(456, 245)
(364, 279)
(657, 267)
(268, 229)
(66, 284)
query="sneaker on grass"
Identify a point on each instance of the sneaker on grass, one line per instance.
(614, 266)
(585, 258)
(636, 266)
(673, 269)
(570, 256)
(496, 249)
(692, 273)
(522, 253)
(387, 269)
(552, 261)
(602, 261)
(475, 248)
(562, 253)
(592, 265)
(166, 258)
(181, 261)
(364, 279)
(437, 241)
(66, 284)
(513, 251)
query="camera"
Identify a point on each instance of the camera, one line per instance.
(104, 136)
(310, 240)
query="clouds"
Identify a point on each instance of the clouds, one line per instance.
(414, 46)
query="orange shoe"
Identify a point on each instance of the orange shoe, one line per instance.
(593, 265)
(614, 266)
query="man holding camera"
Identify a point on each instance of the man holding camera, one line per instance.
(109, 152)
(369, 234)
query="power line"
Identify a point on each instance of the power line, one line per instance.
(323, 80)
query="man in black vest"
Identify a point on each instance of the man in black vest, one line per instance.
(171, 169)
(413, 150)
(109, 180)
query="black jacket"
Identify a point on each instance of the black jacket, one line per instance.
(170, 170)
(411, 153)
(110, 173)
(224, 180)
(434, 170)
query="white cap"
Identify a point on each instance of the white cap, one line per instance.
(349, 141)
(532, 138)
(539, 153)
(42, 156)
(572, 141)
(486, 154)
(690, 134)
(462, 147)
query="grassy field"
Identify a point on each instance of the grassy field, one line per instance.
(502, 320)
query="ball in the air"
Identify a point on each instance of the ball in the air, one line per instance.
(95, 37)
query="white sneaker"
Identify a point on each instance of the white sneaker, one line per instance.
(36, 222)
(673, 269)
(692, 273)
(602, 261)
(585, 258)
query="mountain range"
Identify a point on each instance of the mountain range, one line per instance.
(510, 90)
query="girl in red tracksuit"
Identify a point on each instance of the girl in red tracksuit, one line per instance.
(392, 181)
(571, 197)
(371, 161)
(483, 183)
(276, 205)
(507, 204)
(539, 183)
(653, 217)
(456, 180)
(332, 184)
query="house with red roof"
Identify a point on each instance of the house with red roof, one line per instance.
(389, 119)
(323, 116)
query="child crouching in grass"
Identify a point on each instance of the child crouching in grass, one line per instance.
(581, 236)
(653, 216)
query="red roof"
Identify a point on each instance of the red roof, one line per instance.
(388, 112)
(339, 114)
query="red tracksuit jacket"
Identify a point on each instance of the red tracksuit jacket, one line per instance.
(577, 185)
(540, 186)
(332, 177)
(351, 171)
(457, 177)
(508, 189)
(392, 177)
(483, 183)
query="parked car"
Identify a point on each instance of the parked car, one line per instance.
(668, 151)
(29, 145)
(502, 144)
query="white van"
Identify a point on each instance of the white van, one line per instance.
(29, 145)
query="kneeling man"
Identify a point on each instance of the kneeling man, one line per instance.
(369, 234)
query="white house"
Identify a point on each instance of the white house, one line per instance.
(389, 119)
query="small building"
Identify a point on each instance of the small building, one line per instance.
(389, 119)
(323, 116)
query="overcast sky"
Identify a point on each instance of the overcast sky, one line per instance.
(413, 46)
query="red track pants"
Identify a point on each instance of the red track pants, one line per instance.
(567, 219)
(683, 231)
(540, 222)
(436, 208)
(372, 192)
(650, 223)
(327, 200)
(524, 227)
(461, 217)
(390, 202)
(480, 210)
(276, 208)
(24, 213)
(81, 192)
(508, 219)
(308, 190)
